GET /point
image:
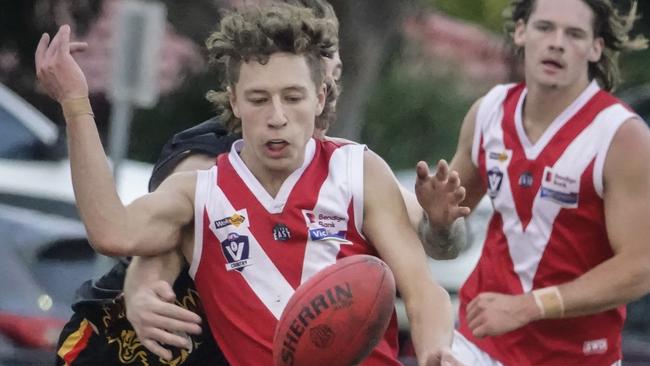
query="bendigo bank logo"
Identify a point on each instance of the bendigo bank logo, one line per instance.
(322, 336)
(323, 226)
(236, 251)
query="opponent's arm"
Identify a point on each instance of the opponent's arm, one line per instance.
(616, 281)
(149, 295)
(442, 227)
(149, 225)
(150, 307)
(427, 304)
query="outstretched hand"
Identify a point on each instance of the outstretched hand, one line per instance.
(56, 69)
(440, 194)
(157, 320)
(492, 314)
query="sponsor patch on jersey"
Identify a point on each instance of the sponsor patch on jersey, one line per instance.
(322, 226)
(281, 232)
(494, 179)
(237, 219)
(560, 188)
(321, 233)
(501, 156)
(236, 252)
(595, 347)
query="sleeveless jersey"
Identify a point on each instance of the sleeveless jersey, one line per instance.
(252, 251)
(548, 225)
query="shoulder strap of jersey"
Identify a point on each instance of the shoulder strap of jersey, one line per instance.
(489, 105)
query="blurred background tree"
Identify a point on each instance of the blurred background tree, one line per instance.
(417, 115)
(411, 68)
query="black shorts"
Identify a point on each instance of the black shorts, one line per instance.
(100, 334)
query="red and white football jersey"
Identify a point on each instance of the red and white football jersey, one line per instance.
(252, 251)
(548, 225)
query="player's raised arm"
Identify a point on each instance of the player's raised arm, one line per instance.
(387, 226)
(152, 223)
(448, 195)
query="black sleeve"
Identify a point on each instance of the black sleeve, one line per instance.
(209, 137)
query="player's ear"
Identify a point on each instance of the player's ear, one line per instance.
(232, 97)
(519, 35)
(321, 97)
(596, 50)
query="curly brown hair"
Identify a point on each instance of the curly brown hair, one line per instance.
(255, 33)
(609, 24)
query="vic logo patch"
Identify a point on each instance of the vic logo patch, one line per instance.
(236, 251)
(494, 178)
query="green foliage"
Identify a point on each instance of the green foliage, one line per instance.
(634, 69)
(487, 13)
(413, 117)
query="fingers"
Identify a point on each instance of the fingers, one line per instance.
(480, 331)
(476, 306)
(477, 314)
(168, 338)
(475, 322)
(54, 44)
(179, 326)
(422, 170)
(459, 194)
(442, 170)
(40, 51)
(472, 311)
(78, 46)
(453, 181)
(164, 314)
(64, 43)
(163, 290)
(157, 349)
(457, 212)
(174, 317)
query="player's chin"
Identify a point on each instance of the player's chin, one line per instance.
(281, 163)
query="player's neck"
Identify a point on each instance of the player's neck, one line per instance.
(270, 179)
(544, 104)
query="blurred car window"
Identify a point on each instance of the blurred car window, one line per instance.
(25, 133)
(16, 141)
(43, 260)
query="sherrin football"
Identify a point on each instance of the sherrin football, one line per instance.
(338, 316)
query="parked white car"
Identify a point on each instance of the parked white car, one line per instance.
(29, 177)
(40, 232)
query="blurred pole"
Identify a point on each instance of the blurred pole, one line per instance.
(138, 34)
(120, 122)
(139, 30)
